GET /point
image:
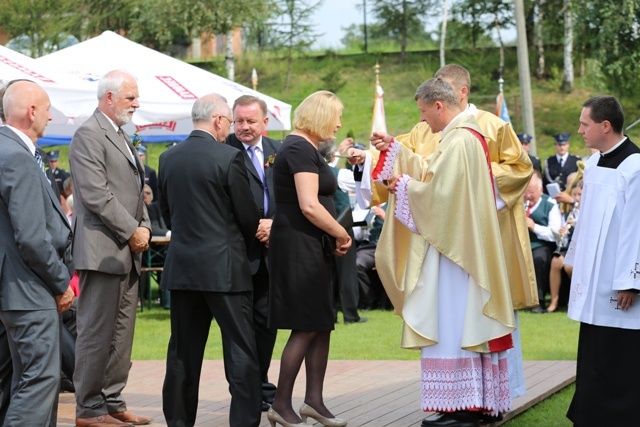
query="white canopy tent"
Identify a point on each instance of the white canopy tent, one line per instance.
(168, 87)
(69, 96)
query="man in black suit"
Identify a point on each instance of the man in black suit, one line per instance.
(525, 140)
(35, 266)
(203, 187)
(558, 167)
(250, 116)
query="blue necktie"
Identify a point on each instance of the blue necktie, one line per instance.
(260, 169)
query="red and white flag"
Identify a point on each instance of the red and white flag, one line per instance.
(379, 122)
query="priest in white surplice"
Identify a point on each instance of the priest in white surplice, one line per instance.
(457, 304)
(605, 254)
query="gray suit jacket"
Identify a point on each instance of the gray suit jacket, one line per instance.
(108, 198)
(35, 261)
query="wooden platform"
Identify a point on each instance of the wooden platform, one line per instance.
(367, 393)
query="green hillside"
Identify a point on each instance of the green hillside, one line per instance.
(352, 77)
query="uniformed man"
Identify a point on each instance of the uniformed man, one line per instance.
(59, 175)
(558, 167)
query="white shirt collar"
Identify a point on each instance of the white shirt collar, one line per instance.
(24, 139)
(563, 157)
(259, 145)
(614, 147)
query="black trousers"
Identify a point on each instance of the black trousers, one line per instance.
(265, 336)
(191, 316)
(345, 282)
(607, 392)
(542, 265)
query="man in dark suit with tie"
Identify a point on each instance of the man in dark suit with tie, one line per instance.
(250, 116)
(35, 265)
(112, 230)
(558, 167)
(203, 186)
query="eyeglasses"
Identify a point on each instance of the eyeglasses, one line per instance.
(231, 122)
(148, 193)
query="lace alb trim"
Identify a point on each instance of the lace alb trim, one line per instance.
(402, 211)
(479, 382)
(384, 167)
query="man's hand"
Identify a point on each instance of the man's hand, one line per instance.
(381, 140)
(530, 224)
(64, 301)
(345, 145)
(356, 157)
(626, 299)
(264, 230)
(139, 240)
(379, 212)
(563, 197)
(343, 243)
(391, 185)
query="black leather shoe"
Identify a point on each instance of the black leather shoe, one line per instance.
(539, 310)
(360, 320)
(66, 385)
(490, 419)
(265, 406)
(453, 419)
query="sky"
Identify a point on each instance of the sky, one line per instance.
(331, 17)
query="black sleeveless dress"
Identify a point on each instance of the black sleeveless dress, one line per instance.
(300, 293)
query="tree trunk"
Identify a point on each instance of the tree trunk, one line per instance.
(540, 72)
(403, 42)
(229, 60)
(567, 79)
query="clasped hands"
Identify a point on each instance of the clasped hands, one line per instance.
(264, 230)
(139, 240)
(64, 301)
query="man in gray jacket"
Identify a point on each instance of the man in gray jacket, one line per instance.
(35, 261)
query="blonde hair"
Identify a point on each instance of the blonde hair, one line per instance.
(318, 114)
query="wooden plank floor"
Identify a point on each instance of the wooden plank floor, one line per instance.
(367, 393)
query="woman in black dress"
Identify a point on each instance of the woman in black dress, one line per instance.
(300, 293)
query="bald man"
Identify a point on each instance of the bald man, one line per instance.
(35, 266)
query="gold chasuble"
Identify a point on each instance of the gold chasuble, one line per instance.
(512, 170)
(453, 207)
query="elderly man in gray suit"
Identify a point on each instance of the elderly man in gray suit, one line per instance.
(112, 230)
(35, 262)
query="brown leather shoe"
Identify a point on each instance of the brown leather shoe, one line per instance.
(100, 421)
(131, 418)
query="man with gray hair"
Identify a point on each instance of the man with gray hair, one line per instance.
(205, 199)
(112, 230)
(455, 299)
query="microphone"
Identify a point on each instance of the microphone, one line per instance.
(526, 207)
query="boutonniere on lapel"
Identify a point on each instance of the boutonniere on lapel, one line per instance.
(270, 160)
(136, 140)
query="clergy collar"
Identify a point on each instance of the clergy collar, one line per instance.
(471, 110)
(615, 149)
(462, 113)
